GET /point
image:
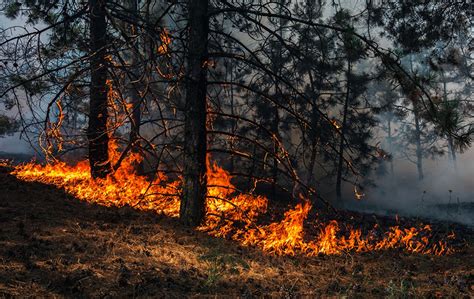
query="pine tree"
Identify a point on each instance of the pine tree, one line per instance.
(195, 138)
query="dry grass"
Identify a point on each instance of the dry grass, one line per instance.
(52, 245)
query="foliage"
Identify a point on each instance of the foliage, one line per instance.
(8, 126)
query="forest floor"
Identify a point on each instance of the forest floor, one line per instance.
(52, 245)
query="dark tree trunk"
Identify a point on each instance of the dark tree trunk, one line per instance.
(276, 115)
(193, 201)
(232, 111)
(135, 97)
(315, 134)
(419, 149)
(390, 143)
(276, 147)
(343, 132)
(97, 131)
(135, 124)
(253, 166)
(312, 161)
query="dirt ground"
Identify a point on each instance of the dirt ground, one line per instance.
(52, 245)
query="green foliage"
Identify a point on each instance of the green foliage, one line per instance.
(418, 25)
(8, 126)
(12, 10)
(449, 117)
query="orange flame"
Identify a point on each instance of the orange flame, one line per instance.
(165, 42)
(230, 214)
(336, 124)
(358, 195)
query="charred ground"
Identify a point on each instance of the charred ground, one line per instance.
(54, 245)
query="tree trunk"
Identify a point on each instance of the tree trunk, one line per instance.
(390, 143)
(275, 129)
(193, 201)
(276, 115)
(97, 131)
(232, 111)
(419, 150)
(314, 135)
(452, 151)
(135, 126)
(250, 181)
(343, 132)
(312, 161)
(135, 98)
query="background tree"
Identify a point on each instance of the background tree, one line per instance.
(8, 126)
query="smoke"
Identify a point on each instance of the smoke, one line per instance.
(446, 192)
(13, 144)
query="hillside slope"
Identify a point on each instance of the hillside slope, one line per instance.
(52, 245)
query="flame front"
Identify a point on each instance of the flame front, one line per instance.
(230, 214)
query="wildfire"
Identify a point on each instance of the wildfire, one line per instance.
(165, 39)
(4, 163)
(336, 124)
(230, 214)
(358, 195)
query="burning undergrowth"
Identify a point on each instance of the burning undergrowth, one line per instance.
(237, 216)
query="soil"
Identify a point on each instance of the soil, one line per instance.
(53, 245)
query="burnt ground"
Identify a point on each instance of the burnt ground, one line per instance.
(52, 245)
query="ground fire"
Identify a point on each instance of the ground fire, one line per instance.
(247, 149)
(226, 208)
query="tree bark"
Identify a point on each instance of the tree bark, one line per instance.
(135, 98)
(451, 149)
(192, 210)
(315, 135)
(97, 131)
(419, 149)
(276, 147)
(343, 132)
(312, 161)
(276, 115)
(390, 143)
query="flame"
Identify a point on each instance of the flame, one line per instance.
(51, 138)
(120, 189)
(208, 64)
(336, 124)
(165, 39)
(230, 214)
(358, 195)
(5, 163)
(225, 206)
(284, 237)
(165, 68)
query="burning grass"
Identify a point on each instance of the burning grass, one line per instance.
(52, 245)
(231, 214)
